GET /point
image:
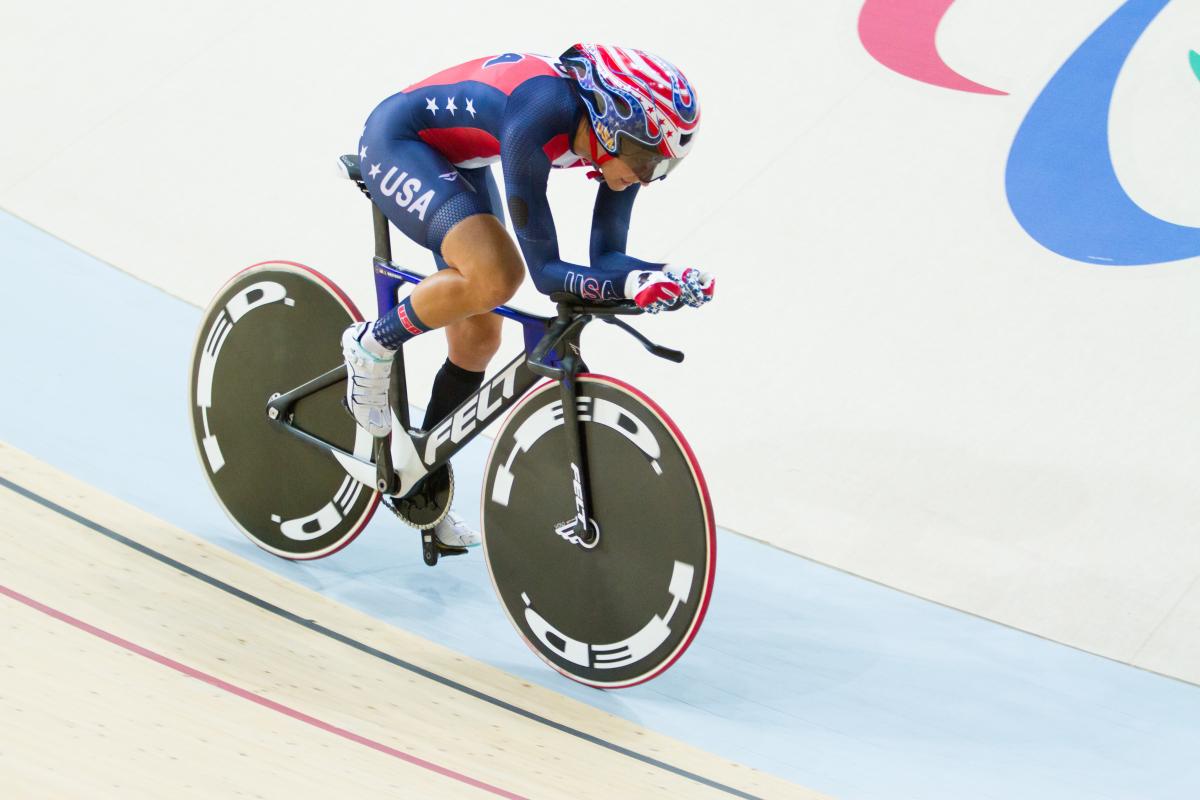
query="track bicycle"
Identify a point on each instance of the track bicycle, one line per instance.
(597, 525)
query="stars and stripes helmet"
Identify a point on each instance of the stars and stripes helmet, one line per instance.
(641, 106)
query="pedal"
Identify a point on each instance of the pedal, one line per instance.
(432, 549)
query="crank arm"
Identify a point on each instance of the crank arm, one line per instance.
(386, 480)
(380, 472)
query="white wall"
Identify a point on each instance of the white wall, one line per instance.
(895, 379)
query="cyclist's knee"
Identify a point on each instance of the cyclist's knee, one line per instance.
(500, 285)
(485, 255)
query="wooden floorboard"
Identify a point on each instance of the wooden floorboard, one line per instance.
(96, 717)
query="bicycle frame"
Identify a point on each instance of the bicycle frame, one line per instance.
(415, 454)
(425, 451)
(401, 461)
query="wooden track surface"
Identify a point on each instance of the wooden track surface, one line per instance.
(144, 673)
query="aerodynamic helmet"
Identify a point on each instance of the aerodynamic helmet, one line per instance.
(642, 108)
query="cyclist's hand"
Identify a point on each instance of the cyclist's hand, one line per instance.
(653, 291)
(697, 287)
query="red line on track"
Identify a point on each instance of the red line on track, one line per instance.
(254, 698)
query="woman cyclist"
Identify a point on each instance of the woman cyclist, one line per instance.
(424, 152)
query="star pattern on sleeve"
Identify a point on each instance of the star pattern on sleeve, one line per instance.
(471, 107)
(374, 171)
(450, 106)
(431, 105)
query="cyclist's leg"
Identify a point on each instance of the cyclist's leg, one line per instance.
(438, 207)
(485, 269)
(475, 340)
(472, 342)
(435, 205)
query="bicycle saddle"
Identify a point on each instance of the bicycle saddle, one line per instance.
(349, 167)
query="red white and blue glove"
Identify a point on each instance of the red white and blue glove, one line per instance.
(653, 291)
(697, 287)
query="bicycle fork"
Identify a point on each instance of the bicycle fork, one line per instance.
(562, 336)
(580, 532)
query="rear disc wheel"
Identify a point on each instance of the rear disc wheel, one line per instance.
(273, 327)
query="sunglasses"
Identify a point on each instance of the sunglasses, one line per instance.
(646, 161)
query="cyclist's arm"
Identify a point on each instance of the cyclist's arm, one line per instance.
(652, 286)
(536, 110)
(610, 231)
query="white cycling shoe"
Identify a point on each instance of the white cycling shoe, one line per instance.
(452, 531)
(367, 379)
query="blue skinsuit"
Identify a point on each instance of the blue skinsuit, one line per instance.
(425, 152)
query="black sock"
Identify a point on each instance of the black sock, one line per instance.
(452, 385)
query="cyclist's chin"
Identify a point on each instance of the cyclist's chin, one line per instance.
(619, 184)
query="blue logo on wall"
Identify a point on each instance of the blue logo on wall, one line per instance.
(1060, 179)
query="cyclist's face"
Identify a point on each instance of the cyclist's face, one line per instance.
(647, 163)
(634, 162)
(618, 174)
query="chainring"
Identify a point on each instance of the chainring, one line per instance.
(428, 504)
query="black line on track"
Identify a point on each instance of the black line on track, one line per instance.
(316, 627)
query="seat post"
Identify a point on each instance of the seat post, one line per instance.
(383, 236)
